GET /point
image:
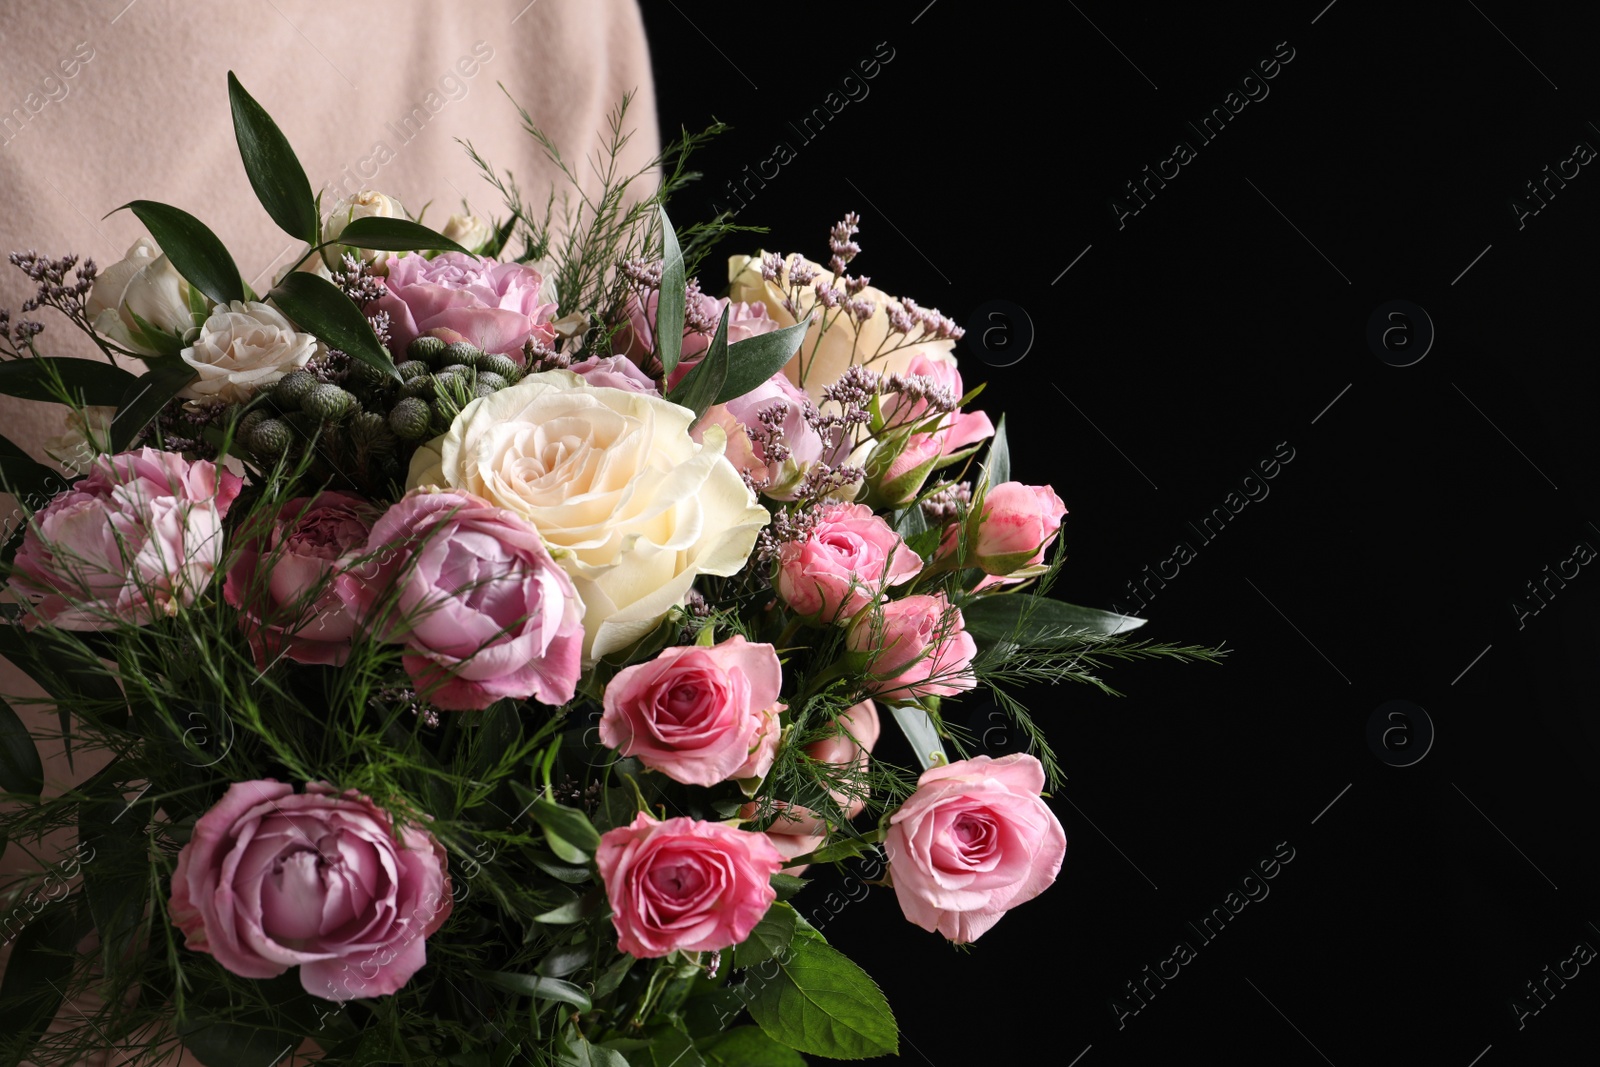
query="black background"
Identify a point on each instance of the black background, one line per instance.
(1174, 356)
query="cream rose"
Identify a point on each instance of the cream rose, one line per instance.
(835, 339)
(365, 204)
(628, 503)
(468, 231)
(141, 285)
(244, 346)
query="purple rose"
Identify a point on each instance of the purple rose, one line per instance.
(770, 436)
(496, 306)
(637, 338)
(614, 372)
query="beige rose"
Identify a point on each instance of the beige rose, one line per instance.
(244, 346)
(468, 231)
(627, 502)
(142, 285)
(365, 204)
(835, 339)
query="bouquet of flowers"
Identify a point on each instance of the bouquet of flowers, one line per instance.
(478, 646)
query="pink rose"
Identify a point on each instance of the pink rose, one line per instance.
(273, 879)
(769, 436)
(483, 610)
(698, 715)
(136, 540)
(685, 884)
(797, 830)
(844, 564)
(918, 646)
(1017, 524)
(615, 372)
(287, 582)
(637, 337)
(974, 841)
(958, 429)
(495, 306)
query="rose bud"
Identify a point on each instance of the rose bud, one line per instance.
(843, 565)
(973, 841)
(1016, 525)
(914, 647)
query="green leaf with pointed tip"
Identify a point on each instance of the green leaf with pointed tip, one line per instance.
(395, 235)
(36, 975)
(21, 771)
(145, 397)
(319, 307)
(197, 253)
(91, 381)
(767, 938)
(1039, 620)
(670, 299)
(821, 1002)
(532, 985)
(226, 1043)
(700, 387)
(787, 885)
(274, 172)
(756, 359)
(30, 482)
(748, 1046)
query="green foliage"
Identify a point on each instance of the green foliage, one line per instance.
(318, 307)
(819, 1001)
(197, 253)
(272, 167)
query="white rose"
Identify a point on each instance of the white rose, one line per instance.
(835, 340)
(630, 506)
(365, 204)
(243, 347)
(468, 231)
(142, 285)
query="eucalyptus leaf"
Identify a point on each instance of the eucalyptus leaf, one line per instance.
(21, 770)
(395, 235)
(821, 1002)
(145, 397)
(700, 387)
(532, 985)
(319, 307)
(756, 359)
(194, 251)
(91, 381)
(669, 299)
(274, 172)
(1040, 620)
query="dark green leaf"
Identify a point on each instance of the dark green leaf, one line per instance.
(755, 359)
(572, 911)
(911, 521)
(1039, 620)
(579, 1053)
(275, 174)
(769, 937)
(395, 235)
(925, 542)
(31, 483)
(226, 1043)
(669, 302)
(612, 977)
(563, 961)
(165, 344)
(318, 307)
(20, 768)
(66, 671)
(821, 1002)
(194, 250)
(145, 397)
(787, 885)
(699, 388)
(748, 1046)
(90, 380)
(36, 975)
(115, 830)
(999, 462)
(570, 823)
(532, 985)
(672, 1047)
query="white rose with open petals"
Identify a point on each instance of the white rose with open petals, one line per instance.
(140, 293)
(630, 505)
(244, 346)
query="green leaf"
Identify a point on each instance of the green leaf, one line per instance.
(572, 911)
(20, 768)
(31, 483)
(36, 975)
(319, 307)
(612, 977)
(748, 1046)
(669, 299)
(998, 467)
(395, 235)
(756, 359)
(787, 885)
(115, 830)
(910, 521)
(225, 1043)
(573, 825)
(769, 937)
(165, 344)
(672, 1047)
(194, 250)
(565, 960)
(90, 380)
(699, 388)
(925, 542)
(145, 397)
(579, 1053)
(1039, 620)
(532, 985)
(821, 1002)
(275, 174)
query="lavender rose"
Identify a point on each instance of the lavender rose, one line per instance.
(496, 306)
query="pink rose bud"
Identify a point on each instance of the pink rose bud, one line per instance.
(973, 841)
(698, 715)
(482, 609)
(135, 541)
(916, 646)
(844, 564)
(1017, 524)
(797, 830)
(684, 884)
(496, 306)
(292, 585)
(900, 478)
(321, 880)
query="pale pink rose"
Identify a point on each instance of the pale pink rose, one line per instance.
(974, 841)
(637, 337)
(777, 451)
(495, 306)
(917, 646)
(797, 830)
(1017, 524)
(135, 541)
(850, 557)
(698, 715)
(272, 879)
(684, 884)
(958, 429)
(286, 581)
(614, 372)
(482, 609)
